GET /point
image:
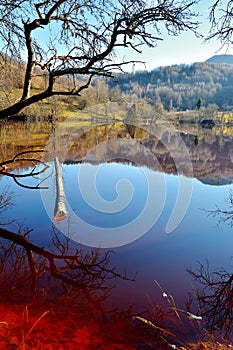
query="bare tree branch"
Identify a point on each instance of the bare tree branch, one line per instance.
(221, 22)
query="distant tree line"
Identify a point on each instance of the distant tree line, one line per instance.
(181, 87)
(177, 87)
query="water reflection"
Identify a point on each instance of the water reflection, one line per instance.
(210, 151)
(86, 270)
(6, 201)
(213, 293)
(223, 215)
(80, 269)
(214, 298)
(48, 267)
(24, 160)
(61, 289)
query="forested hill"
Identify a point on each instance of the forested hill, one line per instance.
(228, 59)
(181, 86)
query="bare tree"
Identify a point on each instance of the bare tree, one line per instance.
(73, 38)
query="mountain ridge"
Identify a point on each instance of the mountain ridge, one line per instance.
(179, 87)
(221, 59)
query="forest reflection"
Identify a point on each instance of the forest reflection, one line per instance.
(210, 151)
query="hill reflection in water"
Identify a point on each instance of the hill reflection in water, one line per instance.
(210, 155)
(210, 151)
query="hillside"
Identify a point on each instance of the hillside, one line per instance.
(176, 87)
(179, 87)
(12, 81)
(221, 59)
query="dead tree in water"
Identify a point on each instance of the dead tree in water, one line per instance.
(60, 205)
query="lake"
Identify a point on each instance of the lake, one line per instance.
(146, 234)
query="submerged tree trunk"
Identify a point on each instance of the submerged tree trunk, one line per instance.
(60, 204)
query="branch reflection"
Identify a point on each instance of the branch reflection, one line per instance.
(6, 201)
(224, 215)
(85, 270)
(61, 296)
(38, 167)
(215, 298)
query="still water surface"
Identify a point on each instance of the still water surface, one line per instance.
(122, 201)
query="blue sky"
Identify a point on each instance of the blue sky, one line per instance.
(185, 48)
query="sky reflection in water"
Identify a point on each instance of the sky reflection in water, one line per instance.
(156, 255)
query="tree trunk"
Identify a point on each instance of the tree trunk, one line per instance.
(30, 62)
